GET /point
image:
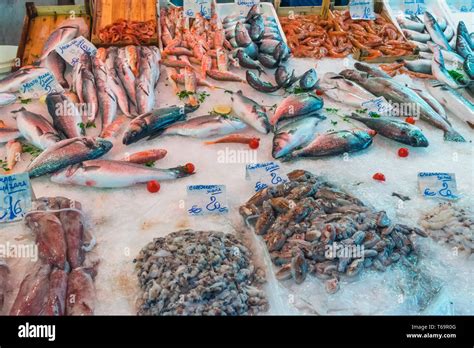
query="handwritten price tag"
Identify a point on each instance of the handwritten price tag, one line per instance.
(74, 49)
(207, 199)
(461, 5)
(265, 175)
(438, 185)
(192, 7)
(244, 5)
(414, 7)
(378, 105)
(40, 86)
(362, 9)
(15, 197)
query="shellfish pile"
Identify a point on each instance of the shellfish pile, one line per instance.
(199, 273)
(311, 226)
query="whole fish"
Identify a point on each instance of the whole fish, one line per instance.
(268, 46)
(108, 105)
(12, 82)
(146, 156)
(283, 78)
(262, 86)
(452, 100)
(224, 76)
(131, 55)
(335, 143)
(344, 91)
(416, 36)
(56, 298)
(4, 272)
(8, 134)
(371, 70)
(58, 37)
(83, 63)
(36, 129)
(56, 64)
(80, 286)
(294, 135)
(469, 66)
(268, 61)
(114, 81)
(409, 24)
(282, 52)
(33, 291)
(255, 10)
(246, 62)
(145, 83)
(257, 28)
(435, 31)
(397, 130)
(450, 56)
(153, 123)
(421, 46)
(233, 138)
(179, 78)
(251, 50)
(309, 80)
(114, 174)
(127, 77)
(66, 153)
(398, 93)
(14, 151)
(250, 112)
(242, 35)
(435, 104)
(298, 105)
(112, 130)
(190, 83)
(206, 127)
(462, 30)
(73, 226)
(89, 94)
(439, 70)
(7, 99)
(419, 65)
(462, 47)
(66, 117)
(449, 33)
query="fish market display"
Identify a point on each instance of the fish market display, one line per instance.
(114, 174)
(344, 91)
(7, 99)
(311, 227)
(298, 105)
(250, 112)
(199, 273)
(61, 273)
(66, 117)
(12, 83)
(452, 226)
(68, 152)
(312, 36)
(136, 32)
(36, 129)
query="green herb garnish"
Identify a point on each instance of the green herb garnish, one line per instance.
(361, 111)
(334, 123)
(32, 150)
(332, 110)
(298, 90)
(89, 124)
(4, 165)
(374, 115)
(150, 164)
(185, 94)
(25, 101)
(456, 75)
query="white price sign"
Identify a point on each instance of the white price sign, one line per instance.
(15, 197)
(414, 7)
(362, 9)
(378, 105)
(192, 7)
(264, 175)
(40, 86)
(72, 51)
(438, 185)
(207, 199)
(244, 6)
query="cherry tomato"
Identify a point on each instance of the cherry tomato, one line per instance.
(153, 186)
(403, 152)
(371, 132)
(189, 167)
(254, 144)
(379, 177)
(410, 120)
(319, 92)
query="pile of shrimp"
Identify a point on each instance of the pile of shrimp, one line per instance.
(375, 38)
(314, 37)
(337, 36)
(399, 68)
(137, 33)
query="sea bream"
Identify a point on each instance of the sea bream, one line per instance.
(153, 123)
(12, 82)
(398, 93)
(66, 117)
(206, 126)
(36, 129)
(335, 143)
(297, 105)
(114, 174)
(250, 112)
(66, 153)
(294, 135)
(397, 130)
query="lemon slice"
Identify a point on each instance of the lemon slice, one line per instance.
(2, 124)
(222, 109)
(42, 99)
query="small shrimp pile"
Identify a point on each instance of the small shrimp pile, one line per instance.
(399, 68)
(337, 36)
(135, 32)
(310, 36)
(375, 38)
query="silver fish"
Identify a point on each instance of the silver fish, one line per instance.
(432, 102)
(108, 104)
(419, 65)
(66, 153)
(7, 99)
(115, 83)
(54, 63)
(76, 87)
(416, 36)
(449, 33)
(12, 82)
(58, 37)
(397, 130)
(451, 58)
(66, 117)
(462, 47)
(127, 77)
(395, 92)
(435, 31)
(469, 66)
(335, 143)
(114, 174)
(294, 135)
(344, 91)
(145, 83)
(36, 129)
(462, 30)
(371, 70)
(409, 24)
(439, 70)
(89, 95)
(421, 46)
(250, 112)
(296, 105)
(7, 134)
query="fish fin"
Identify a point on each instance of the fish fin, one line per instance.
(17, 111)
(452, 135)
(470, 124)
(90, 168)
(156, 135)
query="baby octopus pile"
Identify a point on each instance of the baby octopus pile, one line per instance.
(199, 273)
(309, 226)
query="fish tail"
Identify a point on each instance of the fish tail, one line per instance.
(452, 135)
(210, 142)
